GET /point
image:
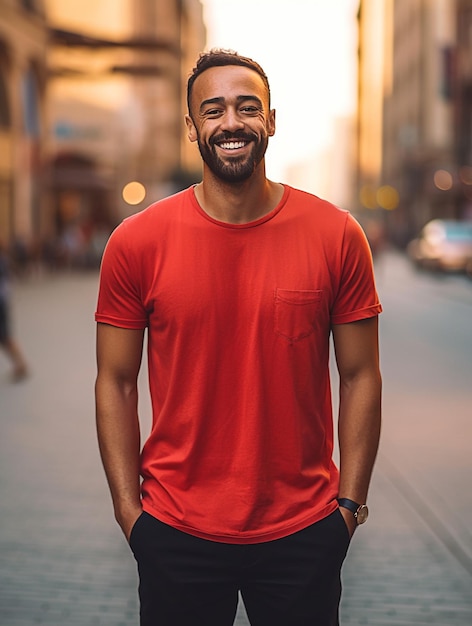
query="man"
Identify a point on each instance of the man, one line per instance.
(7, 341)
(239, 281)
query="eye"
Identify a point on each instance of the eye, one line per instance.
(213, 112)
(250, 110)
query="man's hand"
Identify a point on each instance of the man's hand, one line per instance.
(127, 519)
(350, 520)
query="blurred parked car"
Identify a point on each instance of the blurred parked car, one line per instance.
(444, 245)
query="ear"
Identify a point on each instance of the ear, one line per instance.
(191, 130)
(271, 123)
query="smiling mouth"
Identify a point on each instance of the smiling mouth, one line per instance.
(232, 145)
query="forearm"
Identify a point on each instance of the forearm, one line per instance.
(119, 442)
(359, 433)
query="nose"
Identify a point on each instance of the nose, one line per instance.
(231, 120)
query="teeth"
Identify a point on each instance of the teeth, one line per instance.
(233, 145)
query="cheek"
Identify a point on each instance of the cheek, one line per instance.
(267, 124)
(205, 131)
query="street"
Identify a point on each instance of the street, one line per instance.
(64, 560)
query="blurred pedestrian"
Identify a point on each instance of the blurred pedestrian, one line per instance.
(7, 341)
(240, 281)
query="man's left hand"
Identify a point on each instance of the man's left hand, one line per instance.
(350, 520)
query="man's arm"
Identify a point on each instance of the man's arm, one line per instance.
(119, 353)
(357, 358)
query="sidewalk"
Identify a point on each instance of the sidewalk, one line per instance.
(63, 559)
(412, 563)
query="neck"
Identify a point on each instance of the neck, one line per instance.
(238, 203)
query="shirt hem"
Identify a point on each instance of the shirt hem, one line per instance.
(245, 538)
(120, 323)
(355, 316)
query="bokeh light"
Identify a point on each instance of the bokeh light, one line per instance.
(134, 192)
(443, 180)
(387, 197)
(368, 196)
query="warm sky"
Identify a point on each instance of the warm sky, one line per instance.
(308, 49)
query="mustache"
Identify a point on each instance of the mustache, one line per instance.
(238, 135)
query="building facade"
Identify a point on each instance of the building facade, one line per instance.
(23, 77)
(116, 106)
(414, 107)
(462, 90)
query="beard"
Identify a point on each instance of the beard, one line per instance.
(235, 169)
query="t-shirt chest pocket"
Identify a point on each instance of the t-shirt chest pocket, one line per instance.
(295, 312)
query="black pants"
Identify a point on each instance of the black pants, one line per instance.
(187, 581)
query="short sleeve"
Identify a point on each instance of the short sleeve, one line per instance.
(356, 296)
(119, 294)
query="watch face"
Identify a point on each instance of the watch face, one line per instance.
(362, 514)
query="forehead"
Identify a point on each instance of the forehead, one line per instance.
(227, 82)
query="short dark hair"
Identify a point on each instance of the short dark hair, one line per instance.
(219, 57)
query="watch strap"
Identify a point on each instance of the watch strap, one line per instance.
(349, 504)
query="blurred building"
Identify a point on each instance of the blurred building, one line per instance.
(414, 153)
(23, 74)
(103, 82)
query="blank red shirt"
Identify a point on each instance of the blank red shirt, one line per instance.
(239, 320)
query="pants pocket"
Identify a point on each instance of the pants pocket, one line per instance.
(134, 535)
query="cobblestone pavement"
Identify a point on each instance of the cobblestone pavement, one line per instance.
(63, 559)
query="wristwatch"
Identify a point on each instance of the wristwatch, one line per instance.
(360, 511)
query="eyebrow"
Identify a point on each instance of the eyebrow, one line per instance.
(221, 100)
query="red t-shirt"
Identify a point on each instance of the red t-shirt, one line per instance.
(239, 319)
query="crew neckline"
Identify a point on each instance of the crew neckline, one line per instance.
(261, 220)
